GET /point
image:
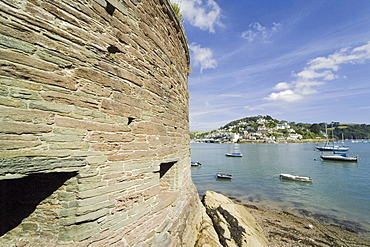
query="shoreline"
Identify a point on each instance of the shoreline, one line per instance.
(245, 141)
(286, 227)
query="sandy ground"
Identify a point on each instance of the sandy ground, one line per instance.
(289, 228)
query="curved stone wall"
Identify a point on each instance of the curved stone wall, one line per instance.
(94, 143)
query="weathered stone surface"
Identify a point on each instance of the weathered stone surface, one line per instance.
(61, 138)
(16, 82)
(11, 154)
(233, 223)
(95, 89)
(26, 115)
(68, 99)
(51, 106)
(149, 128)
(117, 108)
(16, 44)
(11, 69)
(88, 125)
(79, 232)
(17, 144)
(69, 145)
(9, 142)
(23, 128)
(26, 60)
(6, 101)
(29, 165)
(56, 58)
(110, 137)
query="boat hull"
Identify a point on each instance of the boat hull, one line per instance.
(338, 158)
(338, 149)
(224, 176)
(234, 155)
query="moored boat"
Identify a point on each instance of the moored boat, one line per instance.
(339, 153)
(234, 154)
(339, 157)
(196, 163)
(224, 176)
(333, 148)
(295, 178)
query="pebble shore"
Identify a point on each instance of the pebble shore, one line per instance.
(289, 228)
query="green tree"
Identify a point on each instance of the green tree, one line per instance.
(315, 128)
(284, 131)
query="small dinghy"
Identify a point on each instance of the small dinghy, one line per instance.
(295, 178)
(224, 176)
(196, 163)
(234, 154)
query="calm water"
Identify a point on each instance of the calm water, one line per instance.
(339, 190)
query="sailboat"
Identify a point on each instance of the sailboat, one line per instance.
(337, 153)
(235, 154)
(339, 156)
(332, 147)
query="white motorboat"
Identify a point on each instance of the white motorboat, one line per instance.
(196, 163)
(295, 178)
(234, 154)
(224, 176)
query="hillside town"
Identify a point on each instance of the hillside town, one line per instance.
(261, 129)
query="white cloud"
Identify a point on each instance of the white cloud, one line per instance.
(257, 30)
(202, 57)
(249, 35)
(202, 14)
(286, 95)
(281, 86)
(317, 72)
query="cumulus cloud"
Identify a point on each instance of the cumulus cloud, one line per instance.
(282, 86)
(318, 72)
(286, 95)
(202, 14)
(202, 57)
(258, 31)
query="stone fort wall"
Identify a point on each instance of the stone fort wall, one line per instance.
(94, 143)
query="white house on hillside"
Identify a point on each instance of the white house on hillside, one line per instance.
(282, 126)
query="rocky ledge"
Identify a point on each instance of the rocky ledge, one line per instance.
(233, 224)
(229, 223)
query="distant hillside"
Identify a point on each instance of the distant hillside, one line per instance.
(268, 128)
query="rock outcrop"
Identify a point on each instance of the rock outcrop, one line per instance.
(233, 223)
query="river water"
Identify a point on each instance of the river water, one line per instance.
(340, 190)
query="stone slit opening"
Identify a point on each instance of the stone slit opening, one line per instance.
(110, 8)
(130, 120)
(167, 176)
(113, 49)
(20, 197)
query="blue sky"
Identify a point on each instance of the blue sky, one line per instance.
(295, 60)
